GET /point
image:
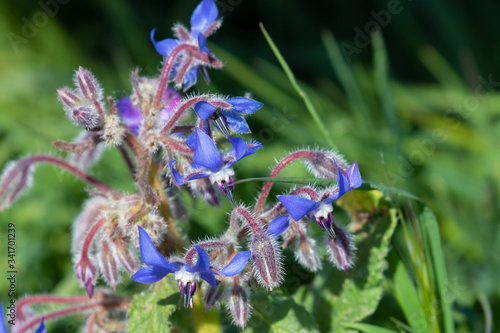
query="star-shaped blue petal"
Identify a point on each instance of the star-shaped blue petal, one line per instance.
(158, 266)
(237, 264)
(205, 152)
(164, 47)
(278, 225)
(297, 207)
(203, 16)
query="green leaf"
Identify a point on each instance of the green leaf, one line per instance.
(150, 310)
(368, 328)
(407, 297)
(337, 299)
(279, 314)
(434, 251)
(390, 190)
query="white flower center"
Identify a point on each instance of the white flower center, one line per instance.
(186, 277)
(224, 175)
(324, 210)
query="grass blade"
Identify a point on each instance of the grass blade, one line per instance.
(307, 101)
(407, 297)
(430, 231)
(382, 84)
(346, 77)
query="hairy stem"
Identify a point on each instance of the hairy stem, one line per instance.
(26, 163)
(301, 154)
(166, 71)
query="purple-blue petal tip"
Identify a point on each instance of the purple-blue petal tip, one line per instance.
(40, 329)
(177, 176)
(237, 264)
(244, 105)
(278, 225)
(203, 16)
(297, 206)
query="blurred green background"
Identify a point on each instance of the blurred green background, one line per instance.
(421, 113)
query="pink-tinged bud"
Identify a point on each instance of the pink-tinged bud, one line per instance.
(88, 85)
(85, 266)
(85, 116)
(266, 257)
(340, 248)
(127, 257)
(206, 190)
(322, 164)
(86, 273)
(238, 304)
(306, 253)
(81, 112)
(108, 265)
(213, 295)
(174, 201)
(93, 208)
(69, 98)
(16, 179)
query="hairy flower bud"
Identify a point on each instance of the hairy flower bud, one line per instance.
(213, 295)
(323, 164)
(206, 190)
(340, 248)
(126, 256)
(85, 116)
(238, 304)
(174, 201)
(266, 256)
(16, 178)
(69, 98)
(82, 224)
(306, 253)
(86, 273)
(81, 112)
(108, 265)
(88, 85)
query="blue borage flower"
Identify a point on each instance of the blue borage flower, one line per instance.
(229, 119)
(3, 327)
(158, 267)
(321, 210)
(203, 23)
(209, 163)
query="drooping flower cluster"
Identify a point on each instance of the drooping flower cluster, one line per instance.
(167, 151)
